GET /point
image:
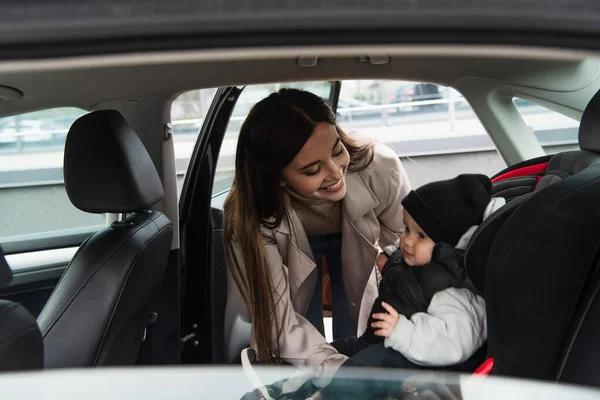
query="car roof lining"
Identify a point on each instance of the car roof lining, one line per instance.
(85, 82)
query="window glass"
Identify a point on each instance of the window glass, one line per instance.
(190, 109)
(187, 116)
(432, 128)
(248, 98)
(32, 192)
(555, 132)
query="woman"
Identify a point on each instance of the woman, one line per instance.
(305, 191)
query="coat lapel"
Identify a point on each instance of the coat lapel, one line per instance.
(359, 199)
(359, 236)
(297, 256)
(360, 231)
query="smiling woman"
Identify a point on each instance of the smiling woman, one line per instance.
(322, 178)
(305, 192)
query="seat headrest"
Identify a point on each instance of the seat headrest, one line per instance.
(5, 272)
(589, 127)
(565, 164)
(107, 168)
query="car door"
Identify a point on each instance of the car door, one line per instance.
(207, 182)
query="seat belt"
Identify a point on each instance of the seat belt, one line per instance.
(248, 356)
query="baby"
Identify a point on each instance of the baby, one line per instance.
(427, 309)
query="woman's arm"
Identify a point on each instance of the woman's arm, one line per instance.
(299, 342)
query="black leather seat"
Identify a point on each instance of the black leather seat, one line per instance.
(540, 272)
(99, 310)
(231, 327)
(21, 345)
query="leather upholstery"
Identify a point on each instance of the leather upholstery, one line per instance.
(5, 272)
(21, 345)
(99, 310)
(20, 339)
(478, 250)
(588, 127)
(581, 351)
(107, 168)
(539, 266)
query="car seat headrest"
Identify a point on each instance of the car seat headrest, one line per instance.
(107, 168)
(563, 165)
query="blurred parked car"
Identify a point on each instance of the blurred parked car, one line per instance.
(413, 92)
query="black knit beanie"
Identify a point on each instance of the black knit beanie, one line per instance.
(445, 210)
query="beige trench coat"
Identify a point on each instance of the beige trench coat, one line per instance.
(372, 219)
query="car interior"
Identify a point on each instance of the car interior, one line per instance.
(152, 287)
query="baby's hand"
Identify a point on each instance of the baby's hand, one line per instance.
(386, 322)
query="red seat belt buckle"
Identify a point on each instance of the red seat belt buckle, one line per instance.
(485, 368)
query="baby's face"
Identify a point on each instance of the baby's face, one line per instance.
(416, 246)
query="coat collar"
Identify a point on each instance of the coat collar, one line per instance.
(359, 198)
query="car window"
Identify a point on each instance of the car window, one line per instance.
(432, 128)
(248, 98)
(555, 132)
(32, 192)
(187, 116)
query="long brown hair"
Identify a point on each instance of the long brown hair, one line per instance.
(275, 130)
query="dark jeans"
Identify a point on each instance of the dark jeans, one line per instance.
(330, 246)
(345, 385)
(350, 346)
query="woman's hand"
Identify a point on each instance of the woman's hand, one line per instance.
(386, 322)
(381, 260)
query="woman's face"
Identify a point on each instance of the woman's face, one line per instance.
(318, 171)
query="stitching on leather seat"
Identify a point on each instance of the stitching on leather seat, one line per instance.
(123, 288)
(59, 315)
(18, 335)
